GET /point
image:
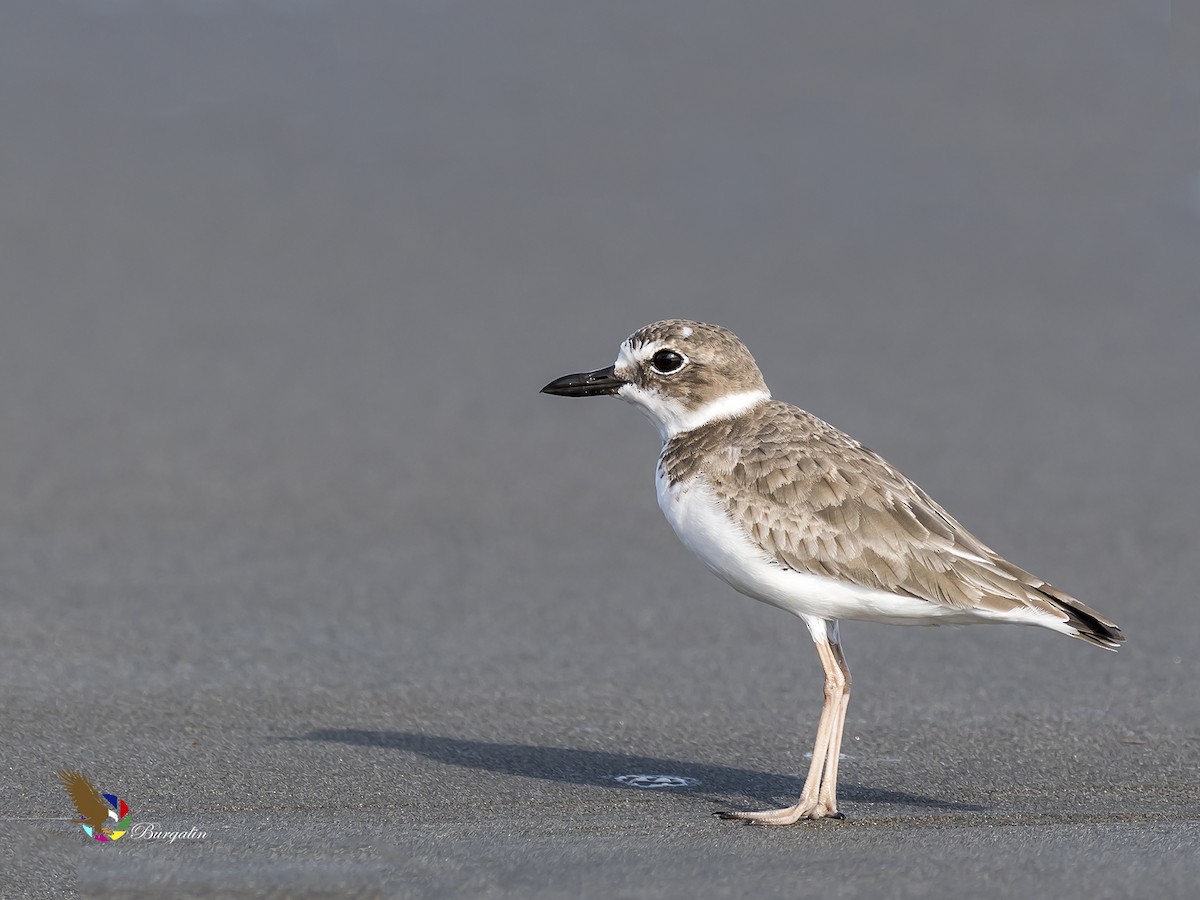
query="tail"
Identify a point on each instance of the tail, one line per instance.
(1083, 622)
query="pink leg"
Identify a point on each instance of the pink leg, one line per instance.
(818, 798)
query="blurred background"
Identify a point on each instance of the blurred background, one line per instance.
(281, 280)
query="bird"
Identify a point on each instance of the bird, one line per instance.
(94, 812)
(789, 510)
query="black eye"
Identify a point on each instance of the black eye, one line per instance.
(666, 361)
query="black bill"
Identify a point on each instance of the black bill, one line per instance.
(586, 384)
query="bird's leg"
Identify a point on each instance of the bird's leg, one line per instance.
(813, 802)
(828, 796)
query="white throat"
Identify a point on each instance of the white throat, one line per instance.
(671, 418)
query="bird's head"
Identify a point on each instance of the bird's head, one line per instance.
(681, 374)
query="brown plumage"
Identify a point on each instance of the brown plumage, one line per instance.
(93, 810)
(821, 503)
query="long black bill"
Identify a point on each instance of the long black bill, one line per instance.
(586, 384)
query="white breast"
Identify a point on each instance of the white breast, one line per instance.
(724, 547)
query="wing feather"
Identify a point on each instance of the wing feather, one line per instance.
(819, 502)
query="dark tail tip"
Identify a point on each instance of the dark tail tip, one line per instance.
(1089, 625)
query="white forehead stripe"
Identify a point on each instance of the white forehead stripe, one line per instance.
(628, 358)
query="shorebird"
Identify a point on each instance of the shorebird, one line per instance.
(789, 510)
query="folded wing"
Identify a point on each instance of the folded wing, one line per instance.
(821, 503)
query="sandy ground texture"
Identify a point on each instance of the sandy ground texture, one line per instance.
(293, 553)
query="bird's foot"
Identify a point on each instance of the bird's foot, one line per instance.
(789, 815)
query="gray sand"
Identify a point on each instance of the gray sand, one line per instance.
(292, 550)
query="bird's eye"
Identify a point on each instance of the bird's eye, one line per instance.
(666, 361)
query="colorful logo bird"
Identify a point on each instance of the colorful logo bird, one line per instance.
(104, 817)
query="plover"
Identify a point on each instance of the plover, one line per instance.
(789, 510)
